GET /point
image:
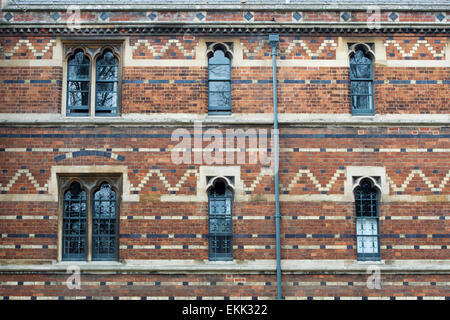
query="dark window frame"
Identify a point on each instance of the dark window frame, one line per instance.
(67, 219)
(367, 207)
(368, 81)
(226, 222)
(96, 256)
(103, 111)
(74, 111)
(94, 50)
(90, 187)
(225, 109)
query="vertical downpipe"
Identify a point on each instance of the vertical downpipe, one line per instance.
(273, 39)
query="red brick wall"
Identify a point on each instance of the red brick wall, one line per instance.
(184, 89)
(247, 286)
(310, 229)
(42, 151)
(30, 89)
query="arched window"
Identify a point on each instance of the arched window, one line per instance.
(107, 81)
(78, 84)
(219, 82)
(104, 223)
(367, 220)
(220, 221)
(74, 223)
(90, 215)
(361, 81)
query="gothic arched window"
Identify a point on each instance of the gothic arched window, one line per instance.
(219, 82)
(78, 84)
(107, 82)
(361, 82)
(367, 220)
(74, 223)
(90, 215)
(104, 223)
(220, 221)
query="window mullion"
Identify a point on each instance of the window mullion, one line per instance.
(93, 77)
(89, 226)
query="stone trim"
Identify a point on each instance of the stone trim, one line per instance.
(235, 266)
(296, 119)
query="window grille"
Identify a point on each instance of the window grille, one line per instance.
(220, 222)
(90, 213)
(74, 223)
(367, 221)
(104, 224)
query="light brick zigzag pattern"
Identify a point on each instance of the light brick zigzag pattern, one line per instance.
(160, 52)
(257, 180)
(302, 43)
(313, 179)
(158, 173)
(405, 184)
(252, 186)
(257, 49)
(30, 46)
(415, 48)
(30, 177)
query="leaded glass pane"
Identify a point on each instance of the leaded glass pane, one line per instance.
(367, 227)
(80, 100)
(360, 66)
(361, 103)
(367, 247)
(78, 66)
(104, 223)
(219, 72)
(219, 100)
(220, 224)
(220, 246)
(367, 231)
(78, 86)
(106, 86)
(219, 88)
(366, 200)
(107, 73)
(107, 67)
(106, 98)
(361, 85)
(74, 223)
(219, 58)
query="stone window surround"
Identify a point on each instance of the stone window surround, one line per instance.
(94, 182)
(93, 49)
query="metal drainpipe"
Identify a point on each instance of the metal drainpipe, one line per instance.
(273, 39)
